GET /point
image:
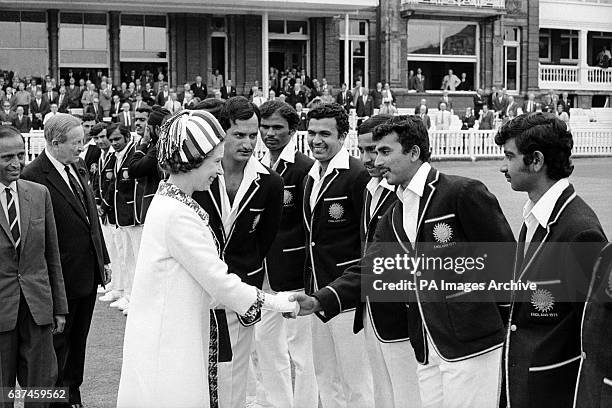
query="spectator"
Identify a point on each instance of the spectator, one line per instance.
(345, 98)
(105, 96)
(325, 85)
(126, 118)
(187, 102)
(50, 114)
(499, 101)
(158, 86)
(326, 97)
(604, 57)
(357, 91)
(529, 105)
(468, 120)
(38, 109)
(511, 109)
(479, 100)
(316, 88)
(424, 116)
(22, 98)
(566, 102)
(450, 81)
(387, 108)
(411, 80)
(271, 95)
(364, 105)
(443, 117)
(562, 114)
(88, 96)
(548, 106)
(303, 123)
(377, 96)
(199, 88)
(228, 91)
(464, 84)
(486, 118)
(388, 94)
(419, 81)
(172, 104)
(21, 121)
(148, 96)
(163, 95)
(139, 103)
(258, 98)
(73, 94)
(447, 100)
(297, 94)
(6, 115)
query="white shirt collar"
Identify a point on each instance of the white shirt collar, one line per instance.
(288, 155)
(12, 186)
(339, 161)
(417, 184)
(543, 209)
(376, 182)
(56, 163)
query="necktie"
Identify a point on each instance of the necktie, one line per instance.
(76, 188)
(12, 217)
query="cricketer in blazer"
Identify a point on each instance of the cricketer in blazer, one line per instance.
(594, 387)
(332, 228)
(81, 245)
(284, 264)
(458, 329)
(542, 351)
(35, 272)
(389, 319)
(103, 182)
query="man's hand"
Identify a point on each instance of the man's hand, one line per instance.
(308, 305)
(146, 138)
(107, 274)
(59, 322)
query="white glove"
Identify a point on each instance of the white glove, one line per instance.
(280, 303)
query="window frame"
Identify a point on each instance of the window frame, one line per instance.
(366, 57)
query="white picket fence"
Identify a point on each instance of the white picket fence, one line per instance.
(445, 144)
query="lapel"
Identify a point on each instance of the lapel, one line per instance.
(542, 235)
(89, 200)
(250, 193)
(329, 179)
(215, 197)
(306, 200)
(366, 212)
(282, 167)
(24, 211)
(56, 180)
(428, 192)
(397, 216)
(5, 226)
(129, 147)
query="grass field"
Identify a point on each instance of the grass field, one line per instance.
(592, 179)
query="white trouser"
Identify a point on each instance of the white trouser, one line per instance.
(128, 249)
(278, 342)
(233, 375)
(473, 383)
(342, 370)
(115, 253)
(394, 370)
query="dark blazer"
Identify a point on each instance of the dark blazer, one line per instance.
(389, 319)
(161, 99)
(8, 117)
(479, 101)
(199, 91)
(332, 228)
(143, 166)
(64, 105)
(99, 115)
(497, 105)
(526, 106)
(24, 125)
(35, 108)
(35, 272)
(293, 98)
(365, 109)
(595, 376)
(113, 111)
(543, 341)
(486, 121)
(345, 98)
(82, 250)
(102, 182)
(121, 119)
(287, 255)
(419, 84)
(224, 93)
(377, 97)
(125, 194)
(53, 99)
(74, 96)
(91, 159)
(459, 329)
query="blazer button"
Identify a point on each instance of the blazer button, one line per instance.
(312, 244)
(584, 355)
(513, 328)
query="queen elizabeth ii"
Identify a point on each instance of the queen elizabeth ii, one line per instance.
(180, 277)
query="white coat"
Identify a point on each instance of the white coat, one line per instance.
(179, 276)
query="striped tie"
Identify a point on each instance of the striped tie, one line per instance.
(12, 217)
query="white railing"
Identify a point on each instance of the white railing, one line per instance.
(575, 77)
(445, 144)
(469, 3)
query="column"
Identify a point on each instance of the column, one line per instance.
(114, 29)
(583, 60)
(53, 31)
(347, 55)
(265, 63)
(498, 53)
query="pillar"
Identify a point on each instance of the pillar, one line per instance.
(347, 55)
(265, 63)
(53, 31)
(583, 59)
(114, 28)
(498, 53)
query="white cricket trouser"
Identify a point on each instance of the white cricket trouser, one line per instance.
(341, 367)
(232, 376)
(129, 246)
(473, 383)
(394, 371)
(113, 254)
(278, 341)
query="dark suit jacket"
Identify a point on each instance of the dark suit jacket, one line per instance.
(526, 106)
(99, 115)
(332, 228)
(364, 109)
(65, 105)
(143, 166)
(486, 121)
(285, 261)
(35, 108)
(479, 101)
(125, 194)
(389, 319)
(36, 271)
(224, 93)
(54, 96)
(293, 98)
(595, 376)
(121, 119)
(24, 125)
(82, 250)
(4, 117)
(102, 182)
(345, 98)
(543, 344)
(497, 105)
(91, 159)
(74, 96)
(161, 99)
(377, 98)
(419, 85)
(199, 91)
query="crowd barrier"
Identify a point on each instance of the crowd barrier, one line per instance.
(445, 144)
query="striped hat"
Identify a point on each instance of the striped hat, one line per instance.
(190, 134)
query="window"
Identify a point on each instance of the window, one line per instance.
(24, 42)
(441, 38)
(512, 51)
(358, 52)
(545, 45)
(569, 45)
(80, 31)
(292, 27)
(143, 33)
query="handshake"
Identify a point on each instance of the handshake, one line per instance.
(292, 304)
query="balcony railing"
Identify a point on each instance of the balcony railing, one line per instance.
(575, 78)
(499, 4)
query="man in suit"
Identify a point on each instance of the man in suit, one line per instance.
(297, 94)
(479, 101)
(63, 100)
(6, 115)
(88, 95)
(139, 104)
(511, 108)
(450, 81)
(464, 85)
(50, 114)
(486, 118)
(21, 121)
(595, 374)
(126, 118)
(279, 342)
(332, 208)
(83, 254)
(50, 96)
(529, 106)
(244, 205)
(228, 91)
(163, 95)
(566, 101)
(38, 109)
(419, 81)
(443, 118)
(345, 98)
(468, 120)
(73, 93)
(364, 104)
(96, 110)
(91, 152)
(424, 116)
(148, 95)
(436, 215)
(33, 306)
(199, 88)
(559, 242)
(116, 108)
(499, 101)
(447, 100)
(159, 85)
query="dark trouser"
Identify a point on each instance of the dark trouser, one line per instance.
(70, 345)
(26, 354)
